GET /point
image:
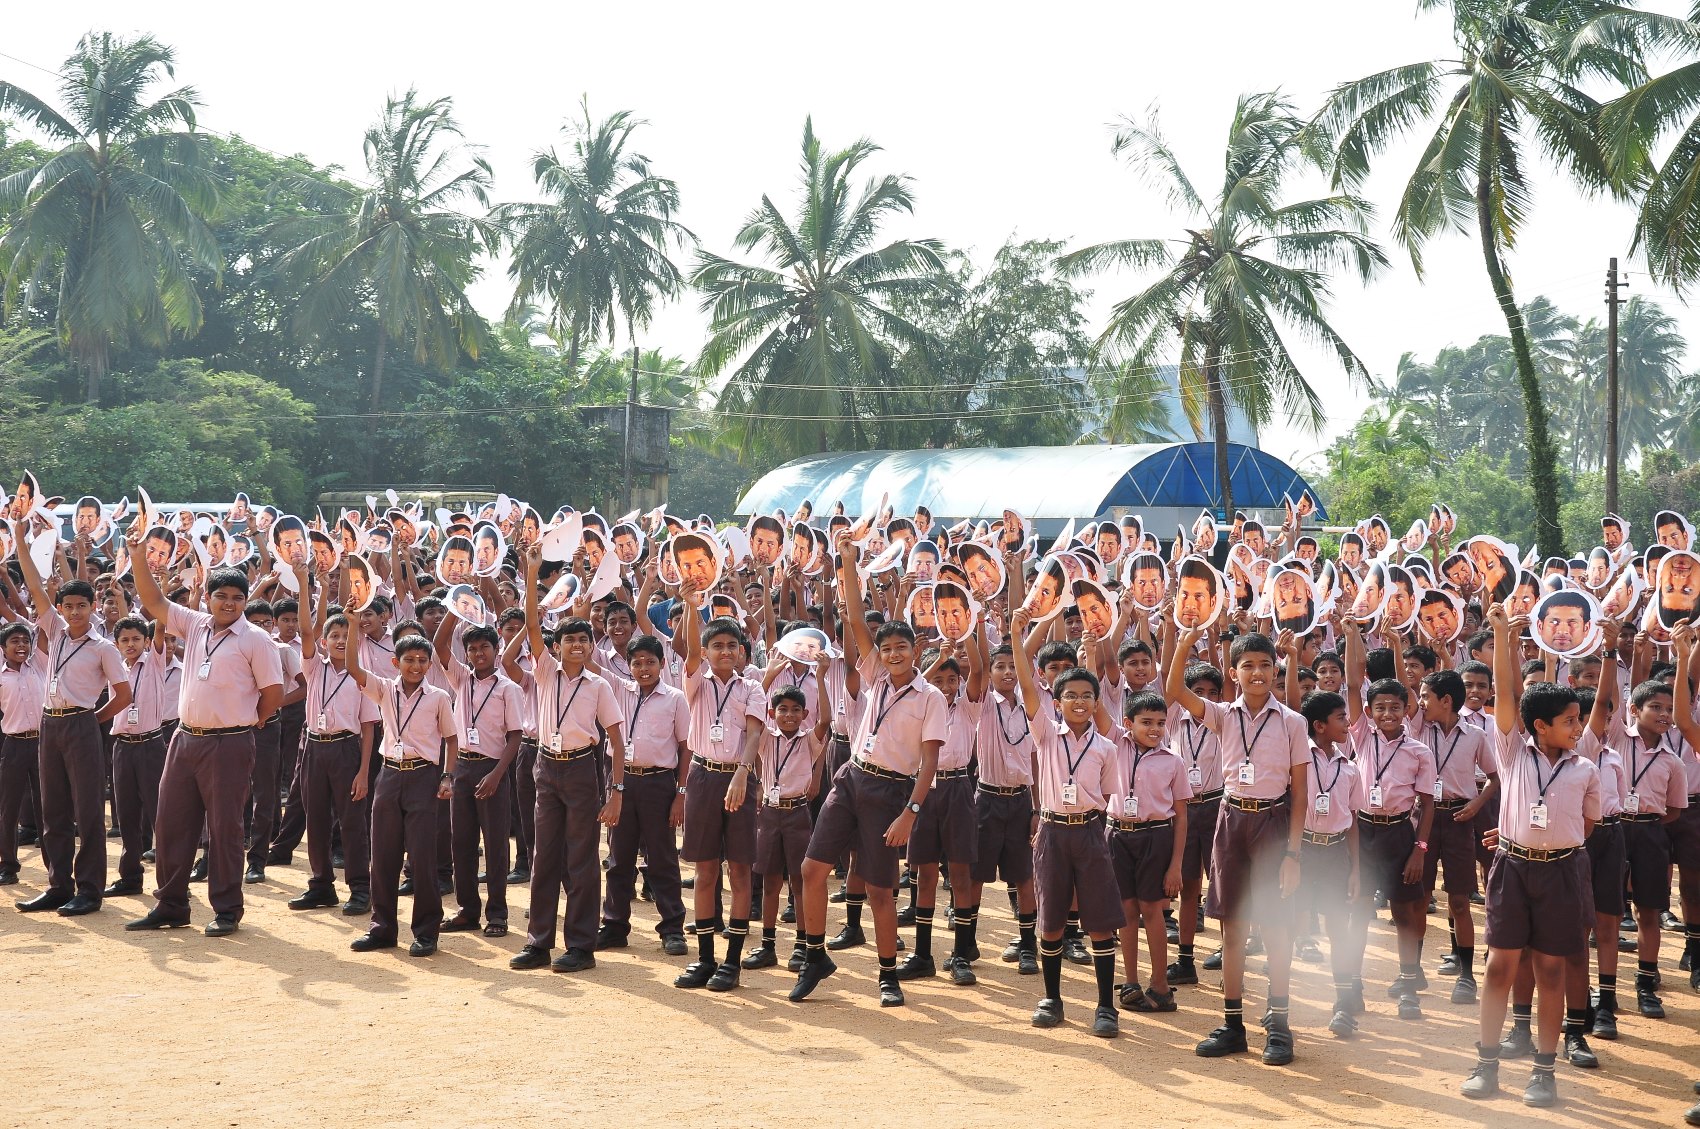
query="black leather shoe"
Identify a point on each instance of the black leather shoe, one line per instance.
(1605, 1022)
(673, 944)
(41, 903)
(198, 872)
(424, 947)
(221, 926)
(371, 943)
(405, 888)
(1222, 1042)
(1074, 951)
(519, 876)
(697, 974)
(1027, 962)
(612, 937)
(79, 905)
(280, 857)
(810, 977)
(528, 958)
(725, 977)
(573, 960)
(906, 916)
(254, 875)
(1213, 962)
(123, 887)
(1049, 1013)
(915, 967)
(459, 923)
(148, 856)
(1518, 1043)
(337, 860)
(358, 903)
(8, 878)
(445, 887)
(1578, 1052)
(1278, 1047)
(154, 919)
(1542, 1089)
(847, 938)
(1105, 1024)
(315, 899)
(799, 957)
(762, 956)
(1183, 972)
(891, 992)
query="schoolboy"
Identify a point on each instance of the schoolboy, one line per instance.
(792, 757)
(1005, 815)
(1147, 839)
(138, 747)
(23, 689)
(1201, 750)
(1331, 846)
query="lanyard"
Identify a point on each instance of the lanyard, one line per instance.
(472, 719)
(1003, 726)
(401, 729)
(1542, 795)
(780, 763)
(1195, 747)
(1134, 775)
(1249, 745)
(720, 702)
(212, 648)
(325, 677)
(1339, 766)
(1440, 764)
(631, 730)
(1380, 768)
(1068, 754)
(1634, 776)
(564, 710)
(63, 658)
(883, 709)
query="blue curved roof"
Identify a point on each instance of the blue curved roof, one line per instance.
(1162, 482)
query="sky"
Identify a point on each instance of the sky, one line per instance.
(1001, 114)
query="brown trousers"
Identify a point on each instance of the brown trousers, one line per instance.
(73, 804)
(564, 854)
(136, 771)
(20, 768)
(471, 816)
(644, 824)
(326, 780)
(205, 782)
(404, 818)
(524, 774)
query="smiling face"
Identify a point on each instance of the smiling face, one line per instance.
(696, 567)
(1292, 599)
(291, 545)
(1096, 616)
(1440, 619)
(1148, 584)
(1562, 627)
(1194, 601)
(159, 549)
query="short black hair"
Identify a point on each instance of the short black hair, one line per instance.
(1477, 641)
(509, 615)
(1074, 674)
(1387, 687)
(1318, 707)
(724, 625)
(77, 588)
(1134, 647)
(896, 629)
(1423, 655)
(646, 645)
(615, 607)
(1329, 657)
(479, 632)
(1204, 672)
(1379, 663)
(1544, 702)
(1448, 684)
(1647, 691)
(574, 626)
(1475, 667)
(410, 643)
(11, 629)
(227, 578)
(1251, 643)
(1057, 651)
(131, 623)
(1145, 701)
(289, 605)
(429, 604)
(792, 694)
(258, 607)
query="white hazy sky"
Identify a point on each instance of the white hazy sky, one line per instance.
(1000, 113)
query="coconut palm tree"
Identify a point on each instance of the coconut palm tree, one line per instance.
(110, 225)
(396, 248)
(600, 245)
(1248, 267)
(1515, 90)
(815, 324)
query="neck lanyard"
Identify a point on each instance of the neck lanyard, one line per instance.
(1440, 763)
(401, 728)
(1634, 776)
(719, 701)
(472, 718)
(883, 708)
(324, 678)
(212, 648)
(1380, 768)
(631, 730)
(1249, 745)
(1003, 726)
(1196, 747)
(562, 711)
(1073, 761)
(63, 658)
(781, 761)
(1339, 766)
(1551, 780)
(1134, 775)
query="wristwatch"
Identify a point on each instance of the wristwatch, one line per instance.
(1292, 854)
(681, 789)
(914, 808)
(620, 787)
(1422, 846)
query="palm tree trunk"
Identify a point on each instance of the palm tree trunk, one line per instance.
(1218, 396)
(1543, 458)
(377, 399)
(97, 367)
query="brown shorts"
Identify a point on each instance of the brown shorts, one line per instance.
(712, 832)
(1543, 906)
(1486, 820)
(1004, 837)
(1141, 859)
(1454, 845)
(1071, 863)
(1606, 867)
(782, 838)
(1323, 872)
(945, 830)
(1245, 866)
(1646, 850)
(1200, 836)
(1383, 849)
(1684, 835)
(857, 814)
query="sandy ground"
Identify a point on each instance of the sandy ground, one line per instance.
(281, 1024)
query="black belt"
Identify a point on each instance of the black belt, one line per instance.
(1241, 803)
(1530, 854)
(785, 803)
(32, 735)
(727, 767)
(138, 738)
(950, 773)
(406, 764)
(469, 756)
(1450, 805)
(1071, 819)
(216, 731)
(1640, 817)
(873, 769)
(69, 711)
(1141, 824)
(327, 738)
(1206, 797)
(1018, 790)
(270, 720)
(1386, 820)
(841, 738)
(1606, 821)
(1324, 838)
(524, 741)
(649, 769)
(575, 754)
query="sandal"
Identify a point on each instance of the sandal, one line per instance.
(1159, 1001)
(1133, 998)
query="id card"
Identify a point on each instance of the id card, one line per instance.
(1323, 803)
(717, 733)
(320, 727)
(1438, 794)
(205, 672)
(1538, 814)
(132, 716)
(1248, 774)
(1632, 804)
(1195, 776)
(1070, 794)
(555, 743)
(398, 750)
(1130, 806)
(868, 745)
(773, 794)
(472, 736)
(1375, 795)
(53, 685)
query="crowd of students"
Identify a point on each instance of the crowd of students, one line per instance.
(445, 705)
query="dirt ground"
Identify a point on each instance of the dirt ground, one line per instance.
(282, 1025)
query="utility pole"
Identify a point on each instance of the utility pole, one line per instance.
(631, 416)
(1612, 302)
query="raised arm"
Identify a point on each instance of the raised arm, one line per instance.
(313, 623)
(1682, 641)
(1354, 657)
(153, 601)
(1018, 620)
(855, 608)
(1507, 684)
(533, 559)
(1174, 677)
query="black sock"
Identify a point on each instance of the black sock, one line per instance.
(736, 930)
(967, 918)
(1409, 973)
(1466, 961)
(924, 931)
(1545, 1064)
(769, 935)
(1050, 962)
(1026, 922)
(705, 940)
(1185, 953)
(1692, 931)
(1072, 927)
(853, 904)
(1104, 964)
(1277, 1012)
(1233, 1013)
(1521, 1015)
(888, 970)
(1646, 975)
(1014, 900)
(1608, 991)
(815, 946)
(1342, 994)
(1452, 932)
(1575, 1019)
